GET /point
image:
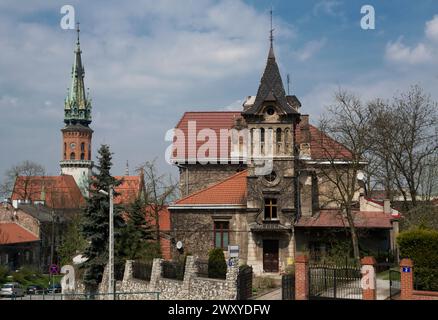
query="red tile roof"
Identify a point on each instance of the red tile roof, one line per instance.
(11, 233)
(321, 145)
(129, 189)
(231, 191)
(57, 191)
(333, 219)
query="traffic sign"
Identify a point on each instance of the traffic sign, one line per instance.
(53, 269)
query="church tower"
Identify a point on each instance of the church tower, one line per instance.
(76, 134)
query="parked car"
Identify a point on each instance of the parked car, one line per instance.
(35, 289)
(56, 288)
(12, 289)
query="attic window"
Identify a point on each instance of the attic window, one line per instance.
(270, 110)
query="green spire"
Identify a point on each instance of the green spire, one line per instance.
(77, 107)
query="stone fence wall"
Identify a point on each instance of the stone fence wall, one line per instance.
(191, 287)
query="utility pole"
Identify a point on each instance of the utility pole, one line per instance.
(111, 245)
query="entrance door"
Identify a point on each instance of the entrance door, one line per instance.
(270, 255)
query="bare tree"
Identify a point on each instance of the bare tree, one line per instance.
(159, 191)
(25, 170)
(347, 123)
(407, 131)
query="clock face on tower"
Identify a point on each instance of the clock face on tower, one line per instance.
(72, 145)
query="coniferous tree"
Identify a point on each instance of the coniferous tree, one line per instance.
(95, 225)
(135, 238)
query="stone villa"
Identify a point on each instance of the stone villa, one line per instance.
(272, 215)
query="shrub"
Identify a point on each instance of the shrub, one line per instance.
(217, 266)
(421, 245)
(3, 274)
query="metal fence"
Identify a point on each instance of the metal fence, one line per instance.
(244, 283)
(142, 270)
(288, 287)
(394, 283)
(173, 270)
(90, 296)
(334, 282)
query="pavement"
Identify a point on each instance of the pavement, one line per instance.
(382, 292)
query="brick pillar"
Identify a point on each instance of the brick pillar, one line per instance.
(406, 279)
(368, 281)
(302, 278)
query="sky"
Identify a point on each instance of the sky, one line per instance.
(147, 62)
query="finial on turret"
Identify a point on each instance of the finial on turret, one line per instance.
(271, 38)
(127, 168)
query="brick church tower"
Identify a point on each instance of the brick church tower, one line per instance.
(76, 135)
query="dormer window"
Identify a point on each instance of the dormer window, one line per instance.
(270, 110)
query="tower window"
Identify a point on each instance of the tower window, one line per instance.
(270, 209)
(72, 156)
(82, 147)
(278, 133)
(82, 156)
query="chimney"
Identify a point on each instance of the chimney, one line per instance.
(304, 127)
(387, 206)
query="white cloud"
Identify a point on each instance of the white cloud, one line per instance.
(431, 29)
(310, 49)
(399, 52)
(425, 51)
(328, 7)
(146, 63)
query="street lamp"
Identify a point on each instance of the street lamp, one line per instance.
(111, 242)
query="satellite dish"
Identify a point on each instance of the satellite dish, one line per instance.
(179, 245)
(360, 176)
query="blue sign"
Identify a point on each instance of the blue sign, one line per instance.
(406, 269)
(230, 262)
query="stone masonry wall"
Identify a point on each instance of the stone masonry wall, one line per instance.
(191, 288)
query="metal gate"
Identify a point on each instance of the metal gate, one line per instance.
(288, 287)
(394, 284)
(334, 282)
(244, 283)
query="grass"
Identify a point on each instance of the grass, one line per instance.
(27, 277)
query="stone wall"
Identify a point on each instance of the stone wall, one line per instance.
(191, 287)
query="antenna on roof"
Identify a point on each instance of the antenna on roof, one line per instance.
(127, 168)
(288, 82)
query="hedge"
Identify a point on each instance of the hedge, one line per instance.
(421, 245)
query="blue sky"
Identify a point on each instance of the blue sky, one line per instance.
(147, 62)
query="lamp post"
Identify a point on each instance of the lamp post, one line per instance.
(111, 290)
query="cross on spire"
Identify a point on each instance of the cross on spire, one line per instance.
(271, 38)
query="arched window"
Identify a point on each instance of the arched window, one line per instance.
(82, 147)
(287, 141)
(278, 139)
(72, 156)
(262, 141)
(82, 156)
(65, 147)
(89, 152)
(278, 134)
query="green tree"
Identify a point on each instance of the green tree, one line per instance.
(134, 241)
(95, 225)
(73, 242)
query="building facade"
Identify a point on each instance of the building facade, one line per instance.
(253, 179)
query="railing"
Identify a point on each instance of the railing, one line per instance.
(142, 270)
(334, 282)
(288, 287)
(142, 295)
(394, 283)
(172, 270)
(244, 283)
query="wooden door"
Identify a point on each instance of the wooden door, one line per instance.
(270, 255)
